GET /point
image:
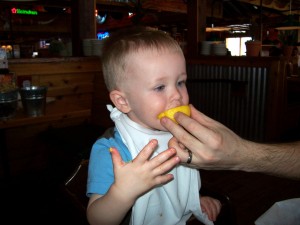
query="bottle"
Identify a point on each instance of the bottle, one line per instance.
(16, 51)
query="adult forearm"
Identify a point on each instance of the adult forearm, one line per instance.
(276, 159)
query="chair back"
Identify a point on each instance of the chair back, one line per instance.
(75, 186)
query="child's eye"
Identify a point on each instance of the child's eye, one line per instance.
(181, 83)
(160, 88)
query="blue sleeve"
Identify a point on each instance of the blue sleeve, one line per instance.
(100, 171)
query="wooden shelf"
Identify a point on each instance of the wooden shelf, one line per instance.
(176, 6)
(23, 120)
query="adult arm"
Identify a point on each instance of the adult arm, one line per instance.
(132, 179)
(216, 147)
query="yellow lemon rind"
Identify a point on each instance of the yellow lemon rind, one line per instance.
(171, 112)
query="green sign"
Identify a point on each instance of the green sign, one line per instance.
(24, 11)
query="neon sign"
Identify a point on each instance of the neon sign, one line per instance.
(102, 35)
(24, 11)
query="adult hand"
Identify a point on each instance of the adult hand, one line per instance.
(142, 172)
(213, 145)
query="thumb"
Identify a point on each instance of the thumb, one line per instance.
(116, 157)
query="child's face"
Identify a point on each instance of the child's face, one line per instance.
(156, 82)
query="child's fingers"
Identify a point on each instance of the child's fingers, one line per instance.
(116, 157)
(146, 152)
(211, 207)
(164, 162)
(159, 164)
(163, 179)
(216, 208)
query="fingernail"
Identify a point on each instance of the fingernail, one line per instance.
(152, 142)
(172, 150)
(177, 159)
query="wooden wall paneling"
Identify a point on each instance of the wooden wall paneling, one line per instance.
(168, 6)
(214, 8)
(67, 79)
(75, 89)
(75, 114)
(83, 23)
(274, 4)
(70, 91)
(72, 85)
(54, 67)
(67, 103)
(276, 100)
(196, 11)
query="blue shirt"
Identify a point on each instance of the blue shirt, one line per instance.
(100, 172)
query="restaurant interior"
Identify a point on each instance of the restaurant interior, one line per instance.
(56, 45)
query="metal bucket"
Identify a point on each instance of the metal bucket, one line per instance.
(34, 100)
(8, 104)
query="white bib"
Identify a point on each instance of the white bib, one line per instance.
(169, 204)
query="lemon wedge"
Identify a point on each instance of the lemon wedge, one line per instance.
(171, 112)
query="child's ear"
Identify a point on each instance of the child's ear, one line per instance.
(119, 100)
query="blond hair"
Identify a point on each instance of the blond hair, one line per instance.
(119, 46)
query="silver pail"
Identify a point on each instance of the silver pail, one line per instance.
(34, 100)
(8, 104)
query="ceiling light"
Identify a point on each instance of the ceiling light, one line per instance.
(220, 29)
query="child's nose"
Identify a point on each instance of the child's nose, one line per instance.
(176, 94)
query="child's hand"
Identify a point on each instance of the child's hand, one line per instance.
(142, 174)
(211, 207)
